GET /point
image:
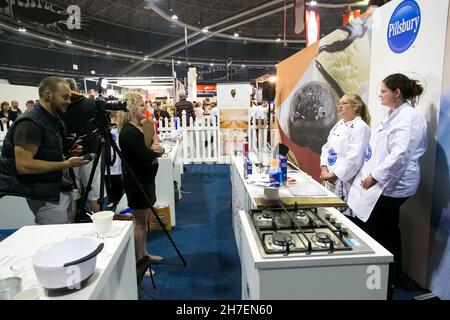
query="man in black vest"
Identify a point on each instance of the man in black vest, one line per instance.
(32, 160)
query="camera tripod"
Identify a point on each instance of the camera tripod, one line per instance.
(103, 133)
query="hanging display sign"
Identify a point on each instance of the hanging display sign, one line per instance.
(299, 16)
(312, 26)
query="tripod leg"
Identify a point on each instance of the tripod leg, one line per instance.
(151, 275)
(88, 188)
(136, 181)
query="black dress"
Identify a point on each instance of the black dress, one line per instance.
(140, 159)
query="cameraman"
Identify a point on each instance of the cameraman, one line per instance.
(79, 121)
(32, 160)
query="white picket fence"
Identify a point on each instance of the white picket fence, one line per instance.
(201, 138)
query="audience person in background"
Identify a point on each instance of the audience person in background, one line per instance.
(343, 154)
(6, 115)
(29, 105)
(207, 108)
(214, 111)
(156, 110)
(115, 189)
(79, 121)
(185, 105)
(15, 107)
(149, 106)
(198, 110)
(32, 161)
(163, 114)
(141, 149)
(391, 172)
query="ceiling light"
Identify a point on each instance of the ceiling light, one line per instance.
(278, 39)
(178, 62)
(22, 29)
(276, 66)
(145, 58)
(68, 41)
(243, 65)
(211, 64)
(205, 30)
(236, 34)
(174, 17)
(313, 3)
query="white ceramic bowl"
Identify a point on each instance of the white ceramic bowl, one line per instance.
(103, 221)
(68, 263)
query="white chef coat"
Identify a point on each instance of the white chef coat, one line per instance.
(395, 147)
(343, 154)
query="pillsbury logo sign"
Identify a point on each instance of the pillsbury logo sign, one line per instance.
(404, 26)
(332, 157)
(368, 153)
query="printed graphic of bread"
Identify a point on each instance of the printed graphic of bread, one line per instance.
(312, 114)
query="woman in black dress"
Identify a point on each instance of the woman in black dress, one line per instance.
(140, 147)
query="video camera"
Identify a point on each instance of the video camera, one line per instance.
(110, 104)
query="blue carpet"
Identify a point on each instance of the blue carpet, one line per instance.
(6, 233)
(408, 289)
(204, 236)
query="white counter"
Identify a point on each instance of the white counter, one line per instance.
(327, 276)
(115, 272)
(170, 170)
(15, 213)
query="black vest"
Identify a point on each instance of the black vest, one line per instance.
(45, 186)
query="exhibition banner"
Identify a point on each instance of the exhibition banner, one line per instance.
(311, 82)
(233, 102)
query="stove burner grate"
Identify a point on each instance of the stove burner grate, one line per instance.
(267, 214)
(281, 239)
(322, 239)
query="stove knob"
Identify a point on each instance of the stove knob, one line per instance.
(338, 224)
(327, 215)
(344, 230)
(333, 220)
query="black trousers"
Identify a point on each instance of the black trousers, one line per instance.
(383, 227)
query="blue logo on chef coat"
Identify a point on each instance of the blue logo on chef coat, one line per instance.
(368, 153)
(404, 26)
(332, 157)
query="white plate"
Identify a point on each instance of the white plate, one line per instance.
(116, 229)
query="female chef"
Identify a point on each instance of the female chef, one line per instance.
(391, 171)
(343, 153)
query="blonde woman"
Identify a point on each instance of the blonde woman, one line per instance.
(140, 148)
(343, 154)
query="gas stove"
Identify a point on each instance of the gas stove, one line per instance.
(303, 232)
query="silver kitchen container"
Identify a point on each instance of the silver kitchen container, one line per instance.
(9, 287)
